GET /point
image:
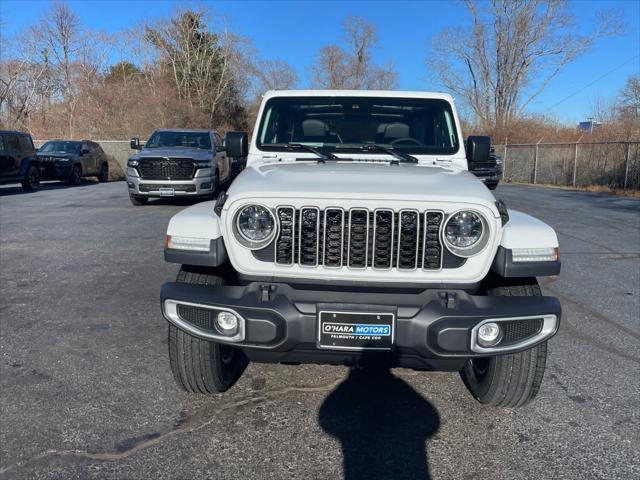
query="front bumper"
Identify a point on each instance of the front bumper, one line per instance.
(57, 169)
(434, 329)
(151, 188)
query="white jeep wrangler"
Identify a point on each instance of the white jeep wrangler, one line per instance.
(356, 235)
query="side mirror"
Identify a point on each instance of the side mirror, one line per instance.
(135, 144)
(84, 151)
(478, 148)
(236, 144)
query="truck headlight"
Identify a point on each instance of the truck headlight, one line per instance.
(132, 172)
(465, 233)
(254, 226)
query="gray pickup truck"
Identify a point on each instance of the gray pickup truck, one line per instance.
(177, 162)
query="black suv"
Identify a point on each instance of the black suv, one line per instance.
(70, 160)
(18, 160)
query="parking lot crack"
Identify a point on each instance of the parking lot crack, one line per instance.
(127, 448)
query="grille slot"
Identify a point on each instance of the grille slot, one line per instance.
(432, 255)
(166, 168)
(408, 240)
(381, 239)
(383, 230)
(285, 244)
(309, 233)
(333, 235)
(358, 238)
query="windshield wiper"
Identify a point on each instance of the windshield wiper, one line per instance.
(322, 156)
(375, 147)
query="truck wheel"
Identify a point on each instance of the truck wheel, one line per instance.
(510, 380)
(137, 201)
(75, 178)
(104, 173)
(201, 366)
(31, 180)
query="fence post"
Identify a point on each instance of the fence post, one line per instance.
(504, 159)
(575, 161)
(575, 165)
(626, 166)
(535, 163)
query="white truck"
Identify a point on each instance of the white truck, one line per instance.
(357, 236)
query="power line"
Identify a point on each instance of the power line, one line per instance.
(595, 81)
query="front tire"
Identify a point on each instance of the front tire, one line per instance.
(75, 178)
(31, 180)
(201, 366)
(510, 380)
(104, 173)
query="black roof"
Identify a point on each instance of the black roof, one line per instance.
(14, 132)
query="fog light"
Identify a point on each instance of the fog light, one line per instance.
(206, 186)
(489, 334)
(227, 323)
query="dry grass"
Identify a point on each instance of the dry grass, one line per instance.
(586, 188)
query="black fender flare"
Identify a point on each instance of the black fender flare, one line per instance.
(26, 162)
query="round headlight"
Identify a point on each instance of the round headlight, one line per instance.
(465, 233)
(255, 226)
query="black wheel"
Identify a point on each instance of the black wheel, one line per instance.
(510, 380)
(492, 186)
(31, 180)
(75, 178)
(200, 366)
(215, 184)
(104, 173)
(138, 201)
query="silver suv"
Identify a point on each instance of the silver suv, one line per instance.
(177, 162)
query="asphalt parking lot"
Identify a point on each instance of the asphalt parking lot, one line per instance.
(86, 390)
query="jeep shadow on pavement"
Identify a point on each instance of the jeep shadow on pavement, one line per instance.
(382, 423)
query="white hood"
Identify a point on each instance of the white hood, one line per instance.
(361, 181)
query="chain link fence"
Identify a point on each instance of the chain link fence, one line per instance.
(580, 164)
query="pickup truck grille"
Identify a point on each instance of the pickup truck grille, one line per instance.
(381, 239)
(159, 168)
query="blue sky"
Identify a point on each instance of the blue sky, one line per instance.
(295, 30)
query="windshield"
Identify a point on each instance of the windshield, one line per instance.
(412, 125)
(61, 146)
(200, 140)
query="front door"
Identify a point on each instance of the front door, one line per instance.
(10, 155)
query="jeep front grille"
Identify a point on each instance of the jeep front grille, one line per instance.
(159, 168)
(381, 239)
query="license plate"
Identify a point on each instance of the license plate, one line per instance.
(167, 192)
(356, 330)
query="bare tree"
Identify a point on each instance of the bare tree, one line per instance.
(511, 52)
(629, 98)
(352, 66)
(60, 38)
(199, 60)
(272, 75)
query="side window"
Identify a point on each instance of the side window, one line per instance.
(218, 140)
(26, 145)
(12, 142)
(2, 147)
(85, 146)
